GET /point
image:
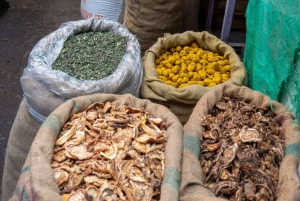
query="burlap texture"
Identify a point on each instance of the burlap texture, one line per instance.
(20, 138)
(192, 177)
(181, 101)
(37, 179)
(181, 110)
(151, 19)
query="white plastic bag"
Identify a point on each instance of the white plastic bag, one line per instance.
(107, 9)
(45, 89)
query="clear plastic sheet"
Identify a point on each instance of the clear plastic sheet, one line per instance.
(45, 89)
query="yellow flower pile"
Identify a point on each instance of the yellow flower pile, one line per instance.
(182, 66)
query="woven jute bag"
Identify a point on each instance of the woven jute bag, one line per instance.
(21, 135)
(37, 180)
(181, 101)
(192, 187)
(150, 19)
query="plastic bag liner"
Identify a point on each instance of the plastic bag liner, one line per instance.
(45, 89)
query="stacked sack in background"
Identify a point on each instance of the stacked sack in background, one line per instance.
(149, 20)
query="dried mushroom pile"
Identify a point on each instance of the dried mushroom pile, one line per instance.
(241, 151)
(105, 153)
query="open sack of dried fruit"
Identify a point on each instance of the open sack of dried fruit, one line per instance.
(240, 145)
(79, 58)
(104, 147)
(179, 69)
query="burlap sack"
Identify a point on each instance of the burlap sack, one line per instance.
(192, 178)
(37, 179)
(150, 19)
(20, 138)
(182, 101)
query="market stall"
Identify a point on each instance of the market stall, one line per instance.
(147, 107)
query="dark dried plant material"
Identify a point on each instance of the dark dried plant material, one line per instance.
(91, 55)
(241, 151)
(106, 153)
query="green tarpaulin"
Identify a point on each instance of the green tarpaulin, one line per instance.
(272, 50)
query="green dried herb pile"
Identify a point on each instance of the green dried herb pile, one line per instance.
(91, 55)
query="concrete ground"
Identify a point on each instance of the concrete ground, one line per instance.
(21, 27)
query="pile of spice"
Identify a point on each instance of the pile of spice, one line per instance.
(109, 153)
(241, 151)
(181, 66)
(91, 55)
